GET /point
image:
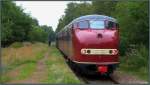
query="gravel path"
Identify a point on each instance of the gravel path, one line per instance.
(123, 78)
(116, 78)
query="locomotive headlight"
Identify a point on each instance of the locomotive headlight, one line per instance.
(83, 51)
(114, 52)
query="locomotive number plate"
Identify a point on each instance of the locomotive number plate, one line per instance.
(99, 51)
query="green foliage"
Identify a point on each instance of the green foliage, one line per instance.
(141, 56)
(15, 23)
(104, 7)
(123, 45)
(16, 45)
(37, 34)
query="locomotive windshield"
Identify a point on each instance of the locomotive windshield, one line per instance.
(83, 25)
(92, 24)
(96, 24)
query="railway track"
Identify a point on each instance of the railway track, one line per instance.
(93, 79)
(96, 79)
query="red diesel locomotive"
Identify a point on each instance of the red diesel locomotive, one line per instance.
(91, 43)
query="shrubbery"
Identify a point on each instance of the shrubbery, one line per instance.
(16, 45)
(37, 34)
(135, 61)
(138, 57)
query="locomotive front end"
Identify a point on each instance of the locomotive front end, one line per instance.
(96, 43)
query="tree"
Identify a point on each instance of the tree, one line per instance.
(15, 23)
(19, 26)
(104, 7)
(133, 20)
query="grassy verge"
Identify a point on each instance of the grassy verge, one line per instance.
(136, 62)
(58, 71)
(26, 70)
(19, 62)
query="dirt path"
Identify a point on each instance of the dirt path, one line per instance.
(39, 74)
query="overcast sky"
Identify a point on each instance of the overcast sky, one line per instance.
(46, 12)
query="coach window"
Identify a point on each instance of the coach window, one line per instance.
(83, 24)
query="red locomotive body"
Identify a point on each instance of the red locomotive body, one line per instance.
(91, 43)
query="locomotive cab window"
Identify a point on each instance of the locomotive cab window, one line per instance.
(97, 24)
(112, 25)
(83, 25)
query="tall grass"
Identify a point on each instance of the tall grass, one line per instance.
(15, 56)
(23, 57)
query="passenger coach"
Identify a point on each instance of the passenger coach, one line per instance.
(91, 43)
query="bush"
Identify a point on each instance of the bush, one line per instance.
(123, 45)
(138, 57)
(16, 45)
(136, 61)
(38, 34)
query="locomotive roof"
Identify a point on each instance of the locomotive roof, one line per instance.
(89, 17)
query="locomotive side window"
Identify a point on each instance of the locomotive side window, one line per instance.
(97, 24)
(112, 25)
(83, 25)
